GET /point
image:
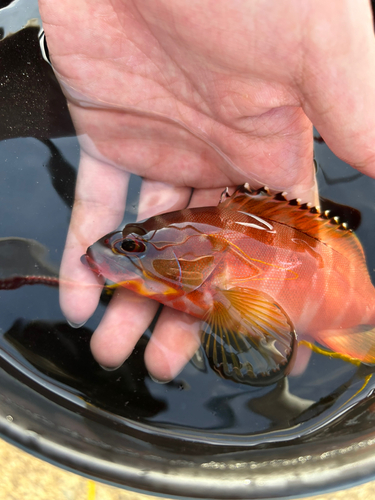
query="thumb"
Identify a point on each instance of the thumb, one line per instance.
(338, 89)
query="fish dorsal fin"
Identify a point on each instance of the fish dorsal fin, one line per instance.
(248, 337)
(306, 218)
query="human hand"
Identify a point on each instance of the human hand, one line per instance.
(199, 95)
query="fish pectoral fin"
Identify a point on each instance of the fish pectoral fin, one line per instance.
(248, 337)
(356, 343)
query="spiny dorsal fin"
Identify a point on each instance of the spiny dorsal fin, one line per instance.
(306, 218)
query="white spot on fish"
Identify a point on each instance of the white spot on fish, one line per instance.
(207, 299)
(269, 228)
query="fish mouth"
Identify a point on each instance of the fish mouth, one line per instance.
(104, 262)
(89, 262)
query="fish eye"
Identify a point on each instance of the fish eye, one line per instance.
(130, 246)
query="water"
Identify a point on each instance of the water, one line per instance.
(198, 400)
(54, 389)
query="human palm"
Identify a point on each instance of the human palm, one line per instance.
(195, 96)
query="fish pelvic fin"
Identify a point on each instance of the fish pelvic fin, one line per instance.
(356, 344)
(248, 337)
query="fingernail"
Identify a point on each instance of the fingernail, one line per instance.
(158, 381)
(110, 368)
(76, 325)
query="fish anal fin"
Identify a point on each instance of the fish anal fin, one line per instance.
(248, 337)
(357, 343)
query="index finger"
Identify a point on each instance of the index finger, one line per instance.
(99, 205)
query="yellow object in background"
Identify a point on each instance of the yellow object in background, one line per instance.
(92, 490)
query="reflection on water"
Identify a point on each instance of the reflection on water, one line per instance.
(39, 159)
(197, 399)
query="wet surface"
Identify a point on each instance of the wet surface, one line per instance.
(34, 329)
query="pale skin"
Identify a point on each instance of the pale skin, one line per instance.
(199, 95)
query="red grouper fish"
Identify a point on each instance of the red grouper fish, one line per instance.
(258, 270)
